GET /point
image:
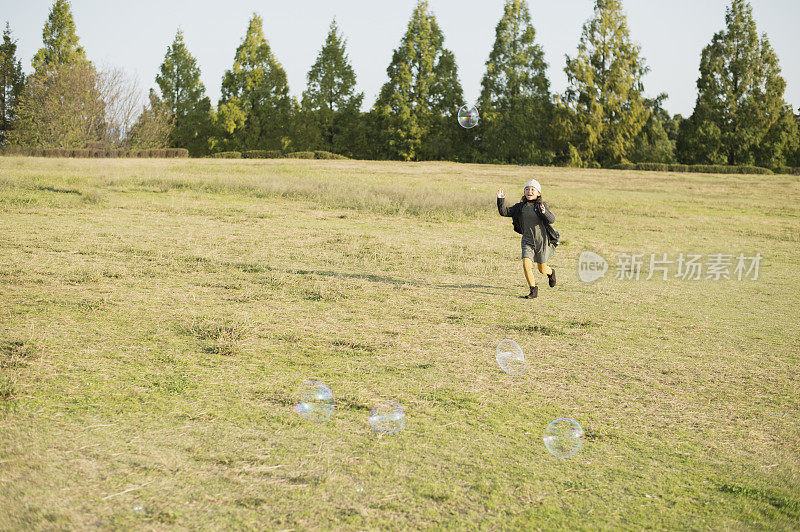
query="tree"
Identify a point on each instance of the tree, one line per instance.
(653, 144)
(62, 104)
(330, 105)
(153, 127)
(122, 98)
(255, 109)
(605, 87)
(12, 82)
(515, 101)
(63, 108)
(416, 109)
(184, 96)
(60, 40)
(740, 116)
(794, 160)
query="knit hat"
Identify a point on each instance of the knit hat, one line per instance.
(532, 183)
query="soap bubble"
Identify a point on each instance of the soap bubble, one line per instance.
(563, 437)
(316, 401)
(387, 417)
(468, 117)
(510, 357)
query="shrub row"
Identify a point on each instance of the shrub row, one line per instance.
(277, 154)
(787, 170)
(301, 155)
(262, 154)
(319, 154)
(95, 152)
(163, 153)
(696, 168)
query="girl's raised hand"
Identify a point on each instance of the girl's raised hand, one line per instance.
(501, 194)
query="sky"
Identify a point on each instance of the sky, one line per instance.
(134, 36)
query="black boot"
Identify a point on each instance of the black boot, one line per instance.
(551, 279)
(534, 292)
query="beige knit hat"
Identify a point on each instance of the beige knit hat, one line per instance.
(532, 183)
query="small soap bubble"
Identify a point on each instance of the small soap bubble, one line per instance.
(316, 401)
(387, 417)
(510, 357)
(563, 437)
(468, 117)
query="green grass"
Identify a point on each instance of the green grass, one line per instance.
(157, 317)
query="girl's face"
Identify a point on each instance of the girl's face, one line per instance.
(531, 193)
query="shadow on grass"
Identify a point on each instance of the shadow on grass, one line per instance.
(780, 502)
(476, 288)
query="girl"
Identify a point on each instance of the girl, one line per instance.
(533, 219)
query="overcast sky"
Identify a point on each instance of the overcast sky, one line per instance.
(135, 36)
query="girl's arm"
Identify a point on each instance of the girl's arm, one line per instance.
(501, 204)
(545, 213)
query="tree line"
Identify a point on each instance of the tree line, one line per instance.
(602, 119)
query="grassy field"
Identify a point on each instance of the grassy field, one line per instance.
(157, 317)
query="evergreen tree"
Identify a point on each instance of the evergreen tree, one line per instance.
(62, 104)
(416, 109)
(184, 96)
(330, 105)
(12, 82)
(794, 159)
(653, 144)
(515, 101)
(62, 109)
(153, 127)
(60, 40)
(672, 126)
(605, 87)
(740, 116)
(255, 110)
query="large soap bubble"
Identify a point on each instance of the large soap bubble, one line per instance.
(316, 401)
(468, 117)
(510, 357)
(387, 417)
(563, 437)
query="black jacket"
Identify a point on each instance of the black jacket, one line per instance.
(515, 212)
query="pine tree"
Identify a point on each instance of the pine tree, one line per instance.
(652, 144)
(62, 109)
(605, 87)
(153, 127)
(515, 101)
(794, 159)
(12, 82)
(255, 110)
(184, 96)
(416, 109)
(740, 116)
(60, 40)
(330, 104)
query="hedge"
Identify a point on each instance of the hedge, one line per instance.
(277, 154)
(319, 154)
(94, 152)
(301, 155)
(262, 154)
(787, 170)
(696, 168)
(228, 155)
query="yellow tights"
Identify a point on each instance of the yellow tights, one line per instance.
(527, 267)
